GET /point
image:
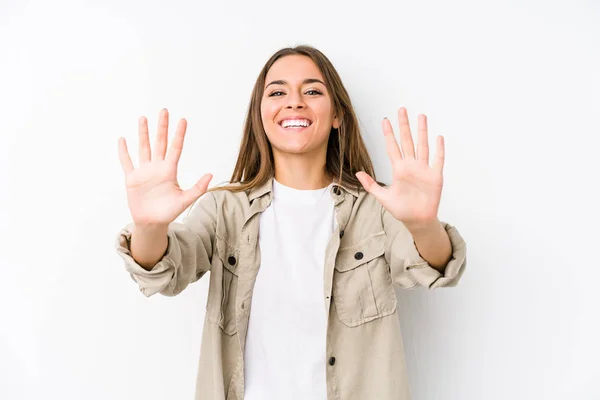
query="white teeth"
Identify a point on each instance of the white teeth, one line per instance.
(295, 123)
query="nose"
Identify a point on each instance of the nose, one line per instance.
(295, 101)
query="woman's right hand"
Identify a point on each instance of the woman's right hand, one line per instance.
(153, 194)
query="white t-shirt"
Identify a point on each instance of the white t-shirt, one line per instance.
(285, 344)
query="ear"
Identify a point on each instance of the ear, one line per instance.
(337, 122)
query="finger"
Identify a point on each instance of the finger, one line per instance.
(391, 144)
(177, 146)
(144, 140)
(370, 185)
(423, 145)
(408, 147)
(190, 195)
(440, 154)
(160, 148)
(124, 158)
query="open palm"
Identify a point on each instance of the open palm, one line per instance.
(153, 193)
(415, 193)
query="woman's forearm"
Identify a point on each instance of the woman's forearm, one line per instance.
(148, 245)
(433, 244)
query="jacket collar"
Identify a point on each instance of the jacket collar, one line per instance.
(267, 187)
(259, 191)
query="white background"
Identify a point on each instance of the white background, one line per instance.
(514, 87)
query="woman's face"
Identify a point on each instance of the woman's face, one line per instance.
(296, 108)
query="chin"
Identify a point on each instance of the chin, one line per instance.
(291, 149)
(283, 142)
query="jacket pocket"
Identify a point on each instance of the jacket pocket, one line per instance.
(223, 290)
(362, 289)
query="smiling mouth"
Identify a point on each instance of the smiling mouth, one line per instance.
(295, 127)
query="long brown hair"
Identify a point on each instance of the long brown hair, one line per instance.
(346, 151)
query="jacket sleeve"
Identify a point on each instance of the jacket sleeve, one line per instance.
(409, 269)
(187, 258)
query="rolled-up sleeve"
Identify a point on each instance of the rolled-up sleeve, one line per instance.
(409, 269)
(187, 258)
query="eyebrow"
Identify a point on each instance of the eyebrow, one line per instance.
(304, 82)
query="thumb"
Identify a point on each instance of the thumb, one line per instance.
(192, 194)
(371, 186)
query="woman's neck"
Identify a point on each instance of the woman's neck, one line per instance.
(301, 173)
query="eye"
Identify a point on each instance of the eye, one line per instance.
(275, 93)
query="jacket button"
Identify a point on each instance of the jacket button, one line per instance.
(358, 255)
(332, 361)
(231, 260)
(342, 234)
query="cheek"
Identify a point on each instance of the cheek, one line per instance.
(268, 112)
(323, 109)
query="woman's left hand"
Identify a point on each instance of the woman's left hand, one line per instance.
(415, 193)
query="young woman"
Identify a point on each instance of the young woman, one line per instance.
(303, 245)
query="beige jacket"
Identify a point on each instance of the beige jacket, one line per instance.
(369, 254)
